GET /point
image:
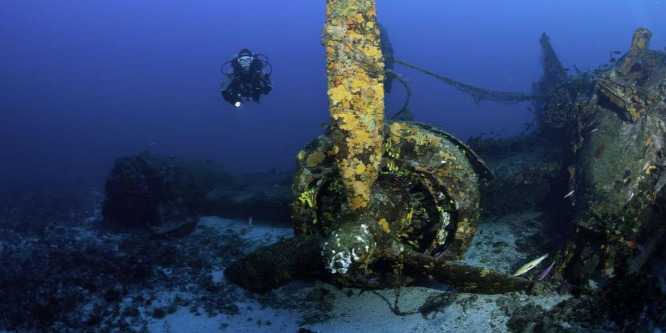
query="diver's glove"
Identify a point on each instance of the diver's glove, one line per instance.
(233, 99)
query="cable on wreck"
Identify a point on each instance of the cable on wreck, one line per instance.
(478, 94)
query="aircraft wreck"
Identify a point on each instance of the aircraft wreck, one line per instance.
(381, 204)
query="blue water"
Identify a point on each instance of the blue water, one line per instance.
(85, 82)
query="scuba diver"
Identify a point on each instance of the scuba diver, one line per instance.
(247, 78)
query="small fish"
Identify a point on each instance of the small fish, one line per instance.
(645, 166)
(594, 130)
(546, 271)
(569, 194)
(632, 244)
(629, 196)
(617, 52)
(567, 287)
(530, 265)
(640, 248)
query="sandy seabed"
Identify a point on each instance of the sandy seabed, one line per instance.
(78, 277)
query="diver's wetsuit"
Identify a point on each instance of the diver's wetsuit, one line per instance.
(251, 83)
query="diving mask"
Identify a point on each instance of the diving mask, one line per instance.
(245, 61)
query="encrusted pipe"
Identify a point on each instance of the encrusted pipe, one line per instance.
(641, 39)
(639, 43)
(355, 73)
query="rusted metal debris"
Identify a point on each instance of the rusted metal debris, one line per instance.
(617, 133)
